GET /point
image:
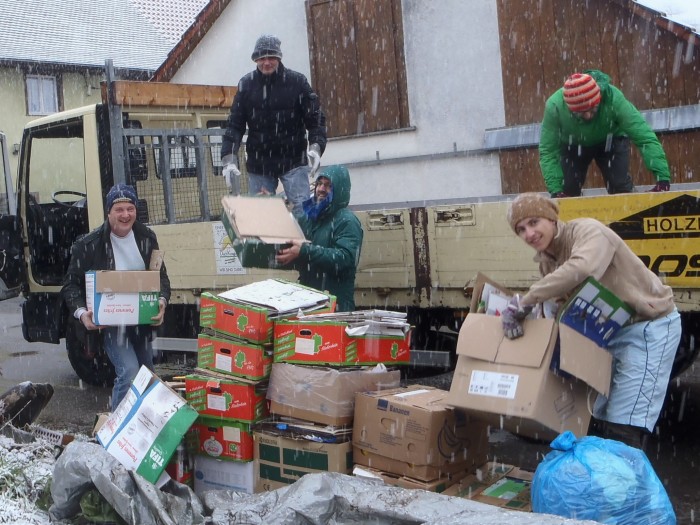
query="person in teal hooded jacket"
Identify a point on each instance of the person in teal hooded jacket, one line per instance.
(590, 119)
(330, 260)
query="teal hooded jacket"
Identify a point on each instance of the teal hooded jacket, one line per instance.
(329, 262)
(616, 116)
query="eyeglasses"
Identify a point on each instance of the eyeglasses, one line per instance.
(325, 183)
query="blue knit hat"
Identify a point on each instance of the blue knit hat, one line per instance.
(121, 193)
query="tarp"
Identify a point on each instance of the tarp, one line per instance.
(328, 498)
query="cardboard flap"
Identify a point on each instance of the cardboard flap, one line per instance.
(262, 218)
(481, 337)
(581, 357)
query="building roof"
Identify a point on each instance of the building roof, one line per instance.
(135, 34)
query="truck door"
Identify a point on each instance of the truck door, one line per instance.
(12, 274)
(52, 203)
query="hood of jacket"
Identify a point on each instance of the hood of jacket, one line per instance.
(340, 179)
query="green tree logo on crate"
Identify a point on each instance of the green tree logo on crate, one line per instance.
(394, 350)
(242, 322)
(240, 359)
(228, 399)
(318, 340)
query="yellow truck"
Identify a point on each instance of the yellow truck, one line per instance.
(164, 139)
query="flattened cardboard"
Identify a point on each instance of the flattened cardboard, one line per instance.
(323, 395)
(437, 485)
(411, 431)
(496, 484)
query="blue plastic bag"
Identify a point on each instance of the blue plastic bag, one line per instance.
(601, 480)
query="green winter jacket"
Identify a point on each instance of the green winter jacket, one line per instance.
(616, 115)
(329, 262)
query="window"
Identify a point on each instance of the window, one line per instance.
(357, 64)
(42, 95)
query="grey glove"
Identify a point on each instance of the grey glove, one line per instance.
(231, 173)
(314, 156)
(513, 316)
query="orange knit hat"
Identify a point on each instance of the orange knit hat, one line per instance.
(581, 92)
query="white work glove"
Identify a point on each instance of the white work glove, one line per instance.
(512, 318)
(314, 156)
(231, 173)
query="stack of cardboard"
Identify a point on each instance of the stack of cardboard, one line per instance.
(538, 385)
(313, 410)
(411, 438)
(228, 388)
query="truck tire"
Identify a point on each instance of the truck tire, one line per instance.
(88, 358)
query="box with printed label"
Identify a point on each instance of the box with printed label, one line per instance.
(513, 383)
(147, 426)
(412, 432)
(122, 298)
(326, 342)
(215, 474)
(254, 321)
(221, 438)
(324, 395)
(496, 484)
(213, 396)
(233, 356)
(255, 241)
(280, 461)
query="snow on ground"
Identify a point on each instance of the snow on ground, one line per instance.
(25, 472)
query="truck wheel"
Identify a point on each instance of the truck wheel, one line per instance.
(88, 358)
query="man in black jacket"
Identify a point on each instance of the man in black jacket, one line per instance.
(278, 107)
(120, 243)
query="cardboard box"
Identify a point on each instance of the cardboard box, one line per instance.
(280, 461)
(253, 319)
(326, 342)
(147, 426)
(412, 432)
(221, 438)
(496, 484)
(323, 395)
(221, 398)
(256, 241)
(436, 485)
(235, 357)
(512, 383)
(122, 298)
(215, 474)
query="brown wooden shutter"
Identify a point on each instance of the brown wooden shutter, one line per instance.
(357, 64)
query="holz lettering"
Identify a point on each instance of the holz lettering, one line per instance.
(688, 223)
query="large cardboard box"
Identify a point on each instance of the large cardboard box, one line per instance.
(258, 228)
(324, 395)
(221, 398)
(326, 342)
(233, 356)
(215, 474)
(221, 438)
(122, 298)
(280, 461)
(536, 385)
(249, 312)
(412, 432)
(147, 426)
(496, 484)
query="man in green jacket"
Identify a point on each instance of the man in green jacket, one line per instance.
(590, 119)
(330, 260)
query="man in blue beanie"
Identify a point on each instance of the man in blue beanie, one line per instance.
(121, 243)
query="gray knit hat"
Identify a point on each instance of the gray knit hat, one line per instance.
(267, 46)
